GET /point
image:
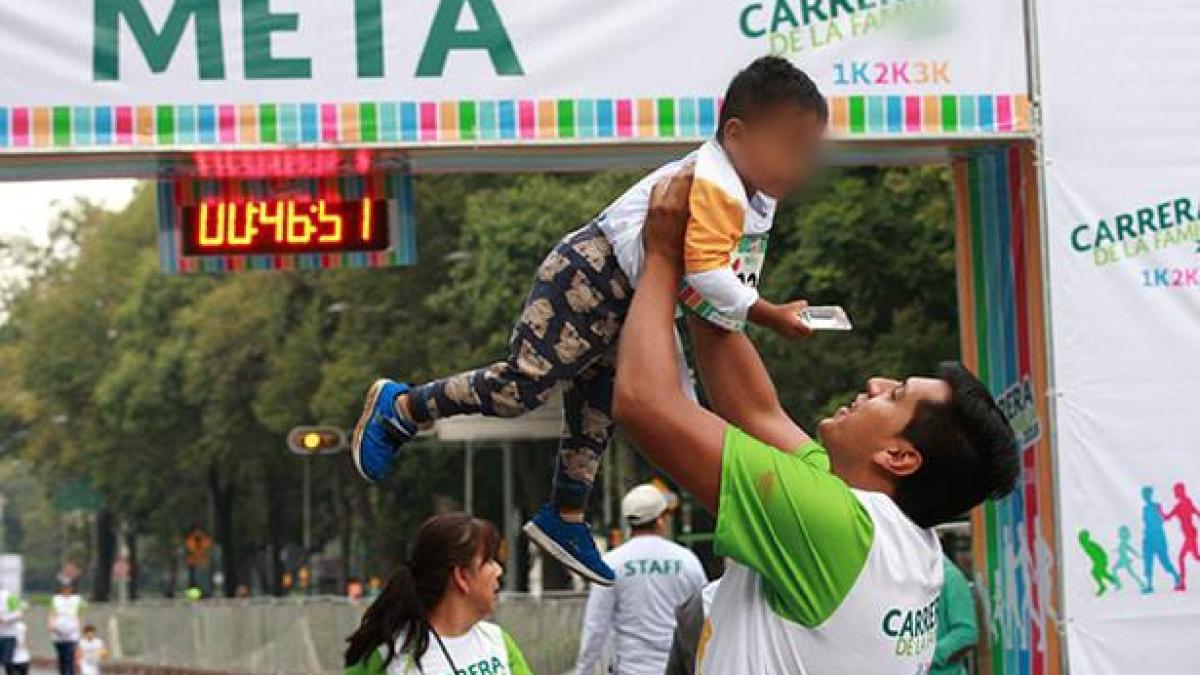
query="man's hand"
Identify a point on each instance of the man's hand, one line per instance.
(783, 319)
(667, 215)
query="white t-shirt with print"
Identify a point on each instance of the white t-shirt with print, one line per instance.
(10, 613)
(823, 578)
(486, 649)
(64, 621)
(91, 652)
(654, 576)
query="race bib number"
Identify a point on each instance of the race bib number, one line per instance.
(747, 263)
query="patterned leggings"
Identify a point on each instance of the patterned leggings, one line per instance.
(567, 334)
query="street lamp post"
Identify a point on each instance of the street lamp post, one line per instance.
(307, 443)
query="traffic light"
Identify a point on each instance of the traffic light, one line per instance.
(309, 441)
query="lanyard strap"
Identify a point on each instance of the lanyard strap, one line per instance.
(445, 653)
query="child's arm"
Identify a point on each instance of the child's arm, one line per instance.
(713, 231)
(783, 319)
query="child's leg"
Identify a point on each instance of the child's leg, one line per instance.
(572, 316)
(587, 427)
(738, 386)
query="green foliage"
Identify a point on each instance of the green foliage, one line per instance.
(879, 242)
(171, 395)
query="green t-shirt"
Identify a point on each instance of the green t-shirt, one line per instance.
(785, 516)
(822, 578)
(956, 628)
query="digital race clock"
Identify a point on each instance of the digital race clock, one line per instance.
(284, 226)
(214, 224)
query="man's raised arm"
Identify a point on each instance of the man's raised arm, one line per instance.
(675, 433)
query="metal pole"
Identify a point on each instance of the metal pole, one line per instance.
(1041, 162)
(510, 511)
(469, 479)
(308, 556)
(307, 507)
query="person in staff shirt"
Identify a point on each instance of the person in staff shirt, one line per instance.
(654, 575)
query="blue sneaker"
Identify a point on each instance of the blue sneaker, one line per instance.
(380, 431)
(570, 543)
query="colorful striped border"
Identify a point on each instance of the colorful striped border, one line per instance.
(1004, 341)
(485, 122)
(397, 188)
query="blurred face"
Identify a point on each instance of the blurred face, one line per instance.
(481, 584)
(865, 437)
(776, 150)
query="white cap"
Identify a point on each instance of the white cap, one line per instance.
(643, 504)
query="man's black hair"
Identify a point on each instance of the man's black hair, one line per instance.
(769, 81)
(968, 452)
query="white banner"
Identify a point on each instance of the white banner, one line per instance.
(917, 67)
(1123, 171)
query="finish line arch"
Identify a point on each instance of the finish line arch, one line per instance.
(338, 103)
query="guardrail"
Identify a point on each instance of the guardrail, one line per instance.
(289, 635)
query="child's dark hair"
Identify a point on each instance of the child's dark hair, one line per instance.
(769, 81)
(443, 542)
(89, 628)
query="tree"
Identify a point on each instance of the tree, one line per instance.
(168, 394)
(880, 242)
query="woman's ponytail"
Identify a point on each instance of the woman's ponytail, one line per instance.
(398, 609)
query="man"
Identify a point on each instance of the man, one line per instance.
(689, 627)
(834, 566)
(63, 622)
(654, 576)
(957, 631)
(11, 615)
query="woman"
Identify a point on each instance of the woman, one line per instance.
(429, 618)
(65, 608)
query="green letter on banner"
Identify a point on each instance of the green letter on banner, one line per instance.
(368, 37)
(158, 46)
(257, 25)
(445, 36)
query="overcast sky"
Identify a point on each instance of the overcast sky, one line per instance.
(29, 207)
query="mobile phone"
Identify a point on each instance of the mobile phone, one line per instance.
(829, 317)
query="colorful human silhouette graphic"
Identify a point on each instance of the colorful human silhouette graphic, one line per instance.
(1126, 554)
(1154, 540)
(1008, 580)
(1184, 511)
(1099, 559)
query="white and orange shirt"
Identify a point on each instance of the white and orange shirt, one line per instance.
(726, 238)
